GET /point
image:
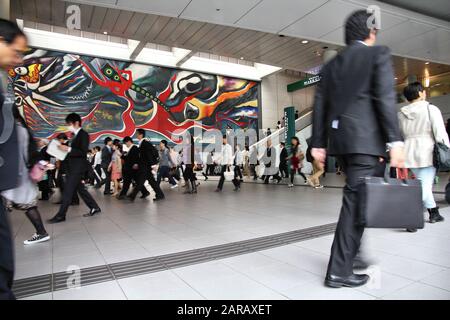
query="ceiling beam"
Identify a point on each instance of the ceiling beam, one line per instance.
(185, 58)
(137, 50)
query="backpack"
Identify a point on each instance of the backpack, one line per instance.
(155, 155)
(309, 157)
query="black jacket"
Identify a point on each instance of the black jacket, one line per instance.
(357, 94)
(106, 157)
(283, 156)
(131, 158)
(77, 157)
(146, 157)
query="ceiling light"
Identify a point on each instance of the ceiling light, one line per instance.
(105, 32)
(427, 62)
(396, 78)
(305, 41)
(242, 58)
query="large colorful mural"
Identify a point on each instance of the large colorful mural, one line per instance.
(115, 98)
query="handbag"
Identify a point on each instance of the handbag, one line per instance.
(37, 172)
(390, 203)
(441, 153)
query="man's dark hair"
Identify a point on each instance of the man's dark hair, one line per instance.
(127, 139)
(141, 132)
(116, 142)
(283, 144)
(107, 139)
(224, 136)
(73, 118)
(9, 31)
(97, 148)
(164, 142)
(356, 27)
(411, 91)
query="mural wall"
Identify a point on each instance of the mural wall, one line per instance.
(115, 98)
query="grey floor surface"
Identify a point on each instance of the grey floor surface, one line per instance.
(406, 266)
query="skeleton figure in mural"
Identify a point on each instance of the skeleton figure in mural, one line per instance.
(115, 98)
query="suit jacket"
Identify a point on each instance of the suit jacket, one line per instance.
(145, 156)
(354, 108)
(131, 158)
(9, 150)
(283, 156)
(77, 157)
(106, 157)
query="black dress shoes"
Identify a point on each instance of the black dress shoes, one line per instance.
(121, 197)
(145, 195)
(352, 281)
(57, 219)
(92, 212)
(158, 198)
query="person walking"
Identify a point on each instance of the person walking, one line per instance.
(225, 160)
(189, 164)
(296, 158)
(422, 125)
(98, 167)
(77, 163)
(284, 161)
(318, 170)
(355, 119)
(44, 184)
(106, 157)
(13, 43)
(115, 167)
(246, 158)
(165, 165)
(269, 160)
(254, 162)
(130, 166)
(24, 196)
(148, 157)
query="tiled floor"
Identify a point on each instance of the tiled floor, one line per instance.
(407, 266)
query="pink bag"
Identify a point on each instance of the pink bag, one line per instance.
(37, 172)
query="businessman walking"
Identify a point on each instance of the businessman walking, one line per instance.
(355, 119)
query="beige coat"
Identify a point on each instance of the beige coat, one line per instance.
(416, 130)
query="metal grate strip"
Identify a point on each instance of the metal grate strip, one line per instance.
(58, 281)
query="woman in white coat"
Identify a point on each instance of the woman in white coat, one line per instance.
(422, 125)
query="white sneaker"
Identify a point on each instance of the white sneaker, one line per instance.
(174, 186)
(318, 187)
(37, 238)
(290, 185)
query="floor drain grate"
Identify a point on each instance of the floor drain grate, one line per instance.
(62, 280)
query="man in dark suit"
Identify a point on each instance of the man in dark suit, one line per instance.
(283, 161)
(106, 160)
(130, 167)
(147, 158)
(78, 165)
(13, 44)
(355, 118)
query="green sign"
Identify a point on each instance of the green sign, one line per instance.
(289, 125)
(303, 83)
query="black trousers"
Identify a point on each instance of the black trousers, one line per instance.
(222, 177)
(44, 187)
(164, 172)
(142, 176)
(284, 170)
(73, 186)
(6, 257)
(347, 238)
(107, 180)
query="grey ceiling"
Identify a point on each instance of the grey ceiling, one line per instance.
(439, 9)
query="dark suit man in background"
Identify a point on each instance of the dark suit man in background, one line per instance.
(13, 43)
(78, 165)
(106, 160)
(356, 119)
(148, 157)
(130, 167)
(283, 161)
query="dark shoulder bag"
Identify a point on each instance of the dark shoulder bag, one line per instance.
(441, 153)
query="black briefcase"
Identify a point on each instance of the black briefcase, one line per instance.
(390, 203)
